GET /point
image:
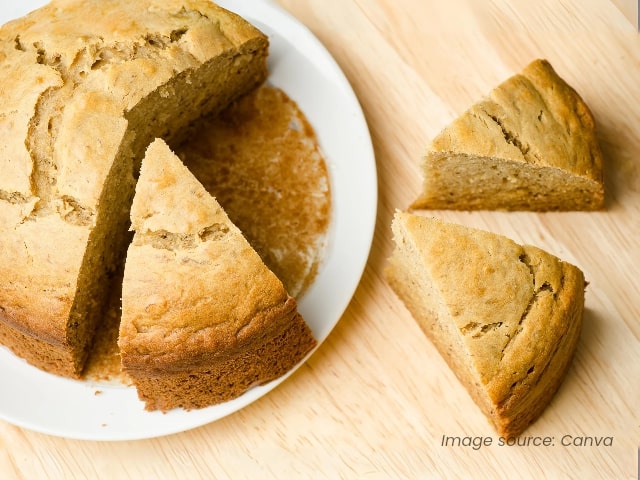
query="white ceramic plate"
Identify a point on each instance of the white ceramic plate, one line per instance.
(302, 67)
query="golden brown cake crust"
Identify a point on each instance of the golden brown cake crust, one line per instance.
(219, 381)
(196, 298)
(530, 144)
(506, 317)
(86, 84)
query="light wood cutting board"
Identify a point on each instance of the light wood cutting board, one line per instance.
(415, 65)
(375, 401)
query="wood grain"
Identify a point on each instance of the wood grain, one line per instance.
(376, 399)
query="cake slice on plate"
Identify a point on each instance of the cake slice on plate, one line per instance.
(505, 317)
(203, 319)
(529, 145)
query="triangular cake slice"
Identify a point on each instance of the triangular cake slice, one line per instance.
(203, 319)
(505, 317)
(529, 145)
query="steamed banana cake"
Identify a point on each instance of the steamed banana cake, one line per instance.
(86, 86)
(505, 317)
(203, 318)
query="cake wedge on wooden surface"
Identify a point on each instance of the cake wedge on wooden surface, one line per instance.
(203, 318)
(506, 318)
(531, 144)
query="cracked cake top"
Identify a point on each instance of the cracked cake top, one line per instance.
(506, 317)
(534, 117)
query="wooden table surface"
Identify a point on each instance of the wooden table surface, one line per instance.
(376, 399)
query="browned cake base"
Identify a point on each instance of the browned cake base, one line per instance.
(42, 354)
(198, 388)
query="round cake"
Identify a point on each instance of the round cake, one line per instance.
(87, 86)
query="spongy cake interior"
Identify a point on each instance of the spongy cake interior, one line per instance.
(501, 184)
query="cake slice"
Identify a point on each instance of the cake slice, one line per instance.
(529, 145)
(203, 319)
(505, 317)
